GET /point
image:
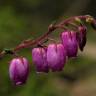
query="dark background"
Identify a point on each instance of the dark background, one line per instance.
(25, 19)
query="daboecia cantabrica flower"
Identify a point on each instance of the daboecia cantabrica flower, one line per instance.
(70, 43)
(56, 57)
(39, 56)
(19, 70)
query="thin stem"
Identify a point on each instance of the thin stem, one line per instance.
(33, 42)
(51, 28)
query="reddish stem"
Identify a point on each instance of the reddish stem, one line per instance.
(51, 28)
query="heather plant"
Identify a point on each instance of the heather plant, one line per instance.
(50, 57)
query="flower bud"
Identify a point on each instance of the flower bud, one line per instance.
(93, 24)
(70, 43)
(18, 70)
(39, 59)
(56, 57)
(81, 37)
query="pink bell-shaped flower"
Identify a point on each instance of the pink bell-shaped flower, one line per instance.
(18, 70)
(56, 57)
(40, 59)
(70, 43)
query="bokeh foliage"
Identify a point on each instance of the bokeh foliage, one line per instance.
(23, 19)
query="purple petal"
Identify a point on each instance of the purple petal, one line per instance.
(56, 57)
(19, 70)
(70, 43)
(39, 59)
(81, 37)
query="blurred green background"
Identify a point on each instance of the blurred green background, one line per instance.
(23, 19)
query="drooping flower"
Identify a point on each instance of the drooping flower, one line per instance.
(39, 59)
(56, 57)
(18, 70)
(70, 43)
(93, 24)
(81, 37)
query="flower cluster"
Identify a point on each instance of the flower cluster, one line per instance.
(51, 57)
